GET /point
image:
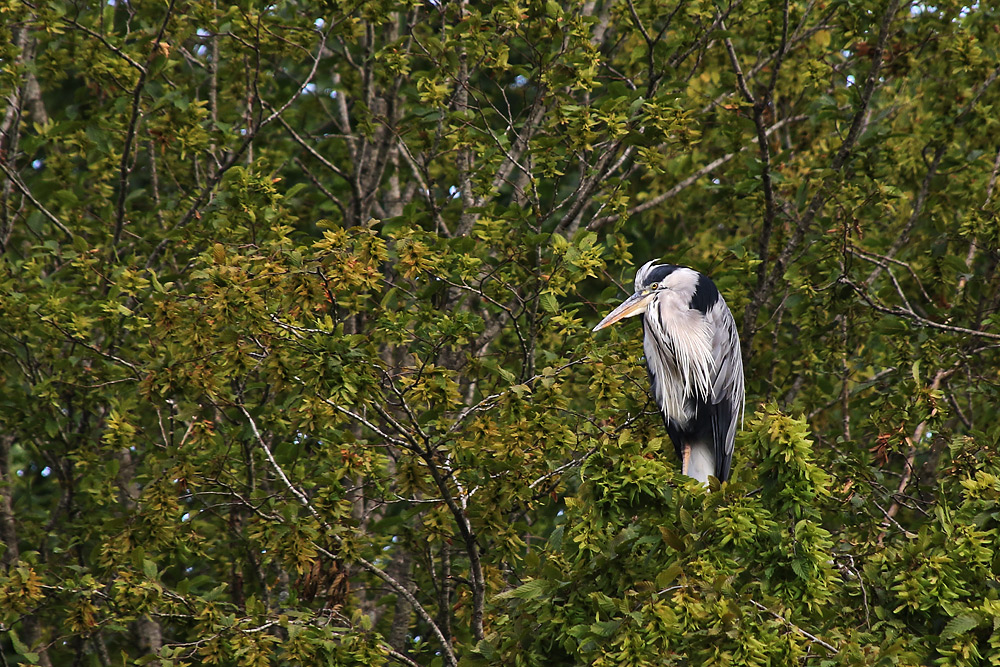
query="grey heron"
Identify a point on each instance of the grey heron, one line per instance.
(695, 367)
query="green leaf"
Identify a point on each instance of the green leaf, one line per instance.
(21, 648)
(671, 539)
(529, 591)
(605, 628)
(667, 576)
(549, 302)
(960, 625)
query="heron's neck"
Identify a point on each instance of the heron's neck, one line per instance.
(689, 341)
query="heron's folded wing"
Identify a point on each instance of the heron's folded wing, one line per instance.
(727, 384)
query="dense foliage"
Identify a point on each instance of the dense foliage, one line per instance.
(295, 311)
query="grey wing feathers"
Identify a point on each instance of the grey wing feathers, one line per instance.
(727, 384)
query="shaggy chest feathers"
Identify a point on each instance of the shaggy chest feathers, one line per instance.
(683, 369)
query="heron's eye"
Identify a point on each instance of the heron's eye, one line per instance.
(654, 286)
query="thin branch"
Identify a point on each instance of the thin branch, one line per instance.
(971, 255)
(865, 384)
(564, 467)
(735, 62)
(312, 151)
(642, 29)
(597, 223)
(872, 81)
(800, 37)
(13, 178)
(804, 633)
(93, 348)
(650, 50)
(478, 583)
(675, 60)
(918, 207)
(322, 188)
(520, 144)
(993, 179)
(234, 157)
(365, 564)
(299, 495)
(889, 519)
(96, 35)
(760, 105)
(491, 400)
(909, 314)
(396, 655)
(364, 422)
(884, 261)
(124, 170)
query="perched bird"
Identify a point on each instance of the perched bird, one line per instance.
(694, 363)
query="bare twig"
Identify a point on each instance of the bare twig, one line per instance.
(909, 314)
(103, 40)
(365, 564)
(804, 223)
(375, 429)
(399, 657)
(93, 348)
(760, 105)
(597, 223)
(564, 467)
(235, 156)
(124, 170)
(808, 635)
(918, 206)
(13, 178)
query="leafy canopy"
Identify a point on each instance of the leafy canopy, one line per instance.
(295, 310)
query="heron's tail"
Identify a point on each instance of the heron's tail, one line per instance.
(698, 461)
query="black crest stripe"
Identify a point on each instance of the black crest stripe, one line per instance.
(705, 294)
(658, 273)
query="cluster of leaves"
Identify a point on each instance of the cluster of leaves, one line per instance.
(295, 309)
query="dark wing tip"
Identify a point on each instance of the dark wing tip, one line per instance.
(722, 422)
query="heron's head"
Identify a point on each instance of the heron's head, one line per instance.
(651, 280)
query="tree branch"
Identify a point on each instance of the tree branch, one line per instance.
(819, 199)
(252, 133)
(808, 635)
(365, 564)
(124, 170)
(909, 314)
(598, 223)
(37, 204)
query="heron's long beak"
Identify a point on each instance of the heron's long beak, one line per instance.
(632, 306)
